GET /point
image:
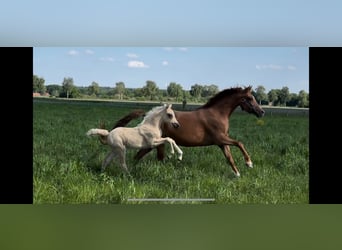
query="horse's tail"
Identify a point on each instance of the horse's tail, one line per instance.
(131, 116)
(103, 133)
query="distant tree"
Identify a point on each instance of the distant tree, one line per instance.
(68, 87)
(209, 90)
(150, 90)
(196, 90)
(273, 96)
(38, 85)
(260, 94)
(174, 90)
(293, 100)
(138, 92)
(303, 99)
(94, 89)
(120, 89)
(54, 89)
(284, 95)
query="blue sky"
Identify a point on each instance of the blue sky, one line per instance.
(81, 25)
(272, 67)
(171, 23)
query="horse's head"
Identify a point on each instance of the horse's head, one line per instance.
(249, 104)
(170, 117)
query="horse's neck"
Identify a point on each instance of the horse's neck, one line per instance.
(226, 106)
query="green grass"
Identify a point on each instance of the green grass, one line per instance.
(66, 163)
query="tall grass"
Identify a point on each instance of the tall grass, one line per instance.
(66, 163)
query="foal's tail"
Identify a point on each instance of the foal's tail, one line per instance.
(103, 133)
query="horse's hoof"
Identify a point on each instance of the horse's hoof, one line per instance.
(249, 164)
(237, 174)
(180, 158)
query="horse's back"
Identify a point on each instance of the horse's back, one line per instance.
(193, 130)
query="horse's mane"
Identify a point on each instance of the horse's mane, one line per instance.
(152, 112)
(223, 94)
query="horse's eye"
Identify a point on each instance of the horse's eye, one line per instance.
(170, 116)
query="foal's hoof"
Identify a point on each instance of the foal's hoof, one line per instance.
(249, 164)
(237, 174)
(180, 157)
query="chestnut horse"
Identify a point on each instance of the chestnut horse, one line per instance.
(209, 124)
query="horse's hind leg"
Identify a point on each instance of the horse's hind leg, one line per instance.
(229, 157)
(161, 152)
(141, 153)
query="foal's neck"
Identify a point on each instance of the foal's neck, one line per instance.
(154, 120)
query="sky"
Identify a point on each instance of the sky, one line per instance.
(134, 25)
(271, 67)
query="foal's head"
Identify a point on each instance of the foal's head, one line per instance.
(169, 116)
(249, 104)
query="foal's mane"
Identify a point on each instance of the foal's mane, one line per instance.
(152, 113)
(223, 94)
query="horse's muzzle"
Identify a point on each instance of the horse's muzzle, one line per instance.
(175, 125)
(261, 113)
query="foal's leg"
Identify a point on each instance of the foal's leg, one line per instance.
(121, 152)
(172, 143)
(179, 151)
(107, 160)
(160, 141)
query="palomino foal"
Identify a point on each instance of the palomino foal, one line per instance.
(147, 134)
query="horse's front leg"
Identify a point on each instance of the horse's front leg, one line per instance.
(226, 151)
(225, 141)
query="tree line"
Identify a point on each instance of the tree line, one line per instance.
(174, 92)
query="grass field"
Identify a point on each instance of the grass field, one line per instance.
(66, 163)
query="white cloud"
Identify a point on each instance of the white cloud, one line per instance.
(291, 67)
(177, 48)
(132, 55)
(89, 52)
(137, 64)
(165, 63)
(107, 59)
(269, 66)
(73, 53)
